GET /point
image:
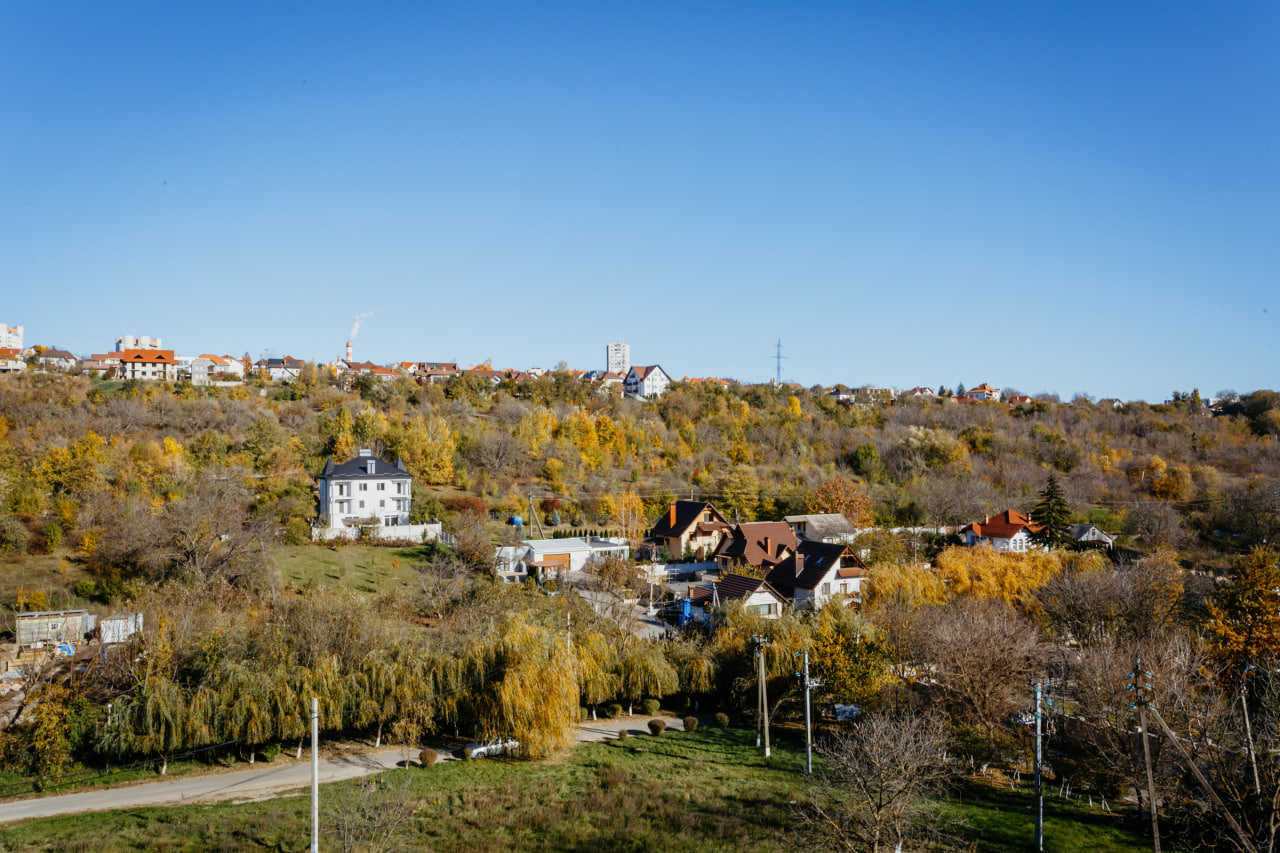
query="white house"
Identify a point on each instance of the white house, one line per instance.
(148, 364)
(557, 556)
(1008, 531)
(646, 381)
(1088, 534)
(57, 359)
(819, 573)
(280, 369)
(364, 490)
(11, 360)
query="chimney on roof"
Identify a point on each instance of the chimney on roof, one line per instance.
(767, 549)
(799, 563)
(348, 350)
(673, 515)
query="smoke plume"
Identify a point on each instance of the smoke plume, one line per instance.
(355, 327)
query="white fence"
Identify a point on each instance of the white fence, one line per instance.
(416, 532)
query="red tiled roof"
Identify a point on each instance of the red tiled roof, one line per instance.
(1006, 525)
(146, 356)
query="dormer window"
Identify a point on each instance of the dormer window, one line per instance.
(372, 465)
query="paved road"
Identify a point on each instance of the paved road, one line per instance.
(243, 784)
(263, 781)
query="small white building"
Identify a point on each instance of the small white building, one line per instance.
(822, 527)
(11, 360)
(646, 381)
(119, 627)
(57, 359)
(557, 556)
(1088, 534)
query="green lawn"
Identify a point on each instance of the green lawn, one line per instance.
(40, 572)
(361, 568)
(710, 790)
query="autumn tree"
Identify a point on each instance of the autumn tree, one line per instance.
(844, 496)
(1245, 615)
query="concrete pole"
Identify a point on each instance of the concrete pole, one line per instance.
(315, 775)
(1039, 788)
(764, 698)
(808, 729)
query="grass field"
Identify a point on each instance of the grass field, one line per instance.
(709, 790)
(361, 568)
(43, 573)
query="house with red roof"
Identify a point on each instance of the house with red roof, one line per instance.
(983, 392)
(1008, 531)
(757, 596)
(149, 365)
(689, 527)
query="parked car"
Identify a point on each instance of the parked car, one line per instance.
(497, 746)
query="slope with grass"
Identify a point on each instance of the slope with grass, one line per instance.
(710, 790)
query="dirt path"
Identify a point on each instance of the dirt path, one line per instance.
(265, 781)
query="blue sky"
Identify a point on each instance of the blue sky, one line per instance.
(1069, 197)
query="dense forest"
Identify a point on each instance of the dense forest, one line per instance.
(174, 500)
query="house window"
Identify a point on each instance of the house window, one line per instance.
(364, 487)
(382, 487)
(826, 589)
(362, 504)
(381, 504)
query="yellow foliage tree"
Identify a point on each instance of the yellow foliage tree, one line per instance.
(429, 445)
(841, 495)
(987, 573)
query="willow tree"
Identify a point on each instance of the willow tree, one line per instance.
(646, 672)
(533, 693)
(596, 668)
(696, 664)
(152, 721)
(244, 709)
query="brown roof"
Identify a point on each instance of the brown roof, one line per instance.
(733, 587)
(687, 513)
(643, 370)
(759, 543)
(1006, 525)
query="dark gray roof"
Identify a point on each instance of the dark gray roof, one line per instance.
(358, 469)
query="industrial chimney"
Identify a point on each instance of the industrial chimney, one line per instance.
(348, 350)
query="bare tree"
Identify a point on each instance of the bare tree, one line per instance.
(1129, 601)
(980, 652)
(873, 791)
(371, 814)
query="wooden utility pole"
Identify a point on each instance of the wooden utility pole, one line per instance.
(1141, 689)
(1245, 842)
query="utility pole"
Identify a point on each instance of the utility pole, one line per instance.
(1213, 795)
(315, 775)
(1039, 789)
(762, 645)
(808, 684)
(534, 513)
(1141, 699)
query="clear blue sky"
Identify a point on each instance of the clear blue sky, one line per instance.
(1070, 196)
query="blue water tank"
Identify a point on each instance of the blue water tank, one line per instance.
(515, 521)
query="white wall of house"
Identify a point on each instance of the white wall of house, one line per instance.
(388, 499)
(1019, 543)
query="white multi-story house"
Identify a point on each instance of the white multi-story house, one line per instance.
(617, 358)
(365, 489)
(157, 365)
(646, 381)
(127, 342)
(10, 337)
(819, 573)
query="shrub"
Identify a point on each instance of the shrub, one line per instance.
(650, 707)
(583, 713)
(14, 536)
(297, 532)
(52, 537)
(466, 753)
(271, 752)
(86, 588)
(657, 727)
(691, 724)
(428, 757)
(549, 586)
(612, 710)
(722, 720)
(622, 734)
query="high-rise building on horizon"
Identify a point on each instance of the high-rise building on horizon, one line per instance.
(618, 358)
(10, 337)
(125, 342)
